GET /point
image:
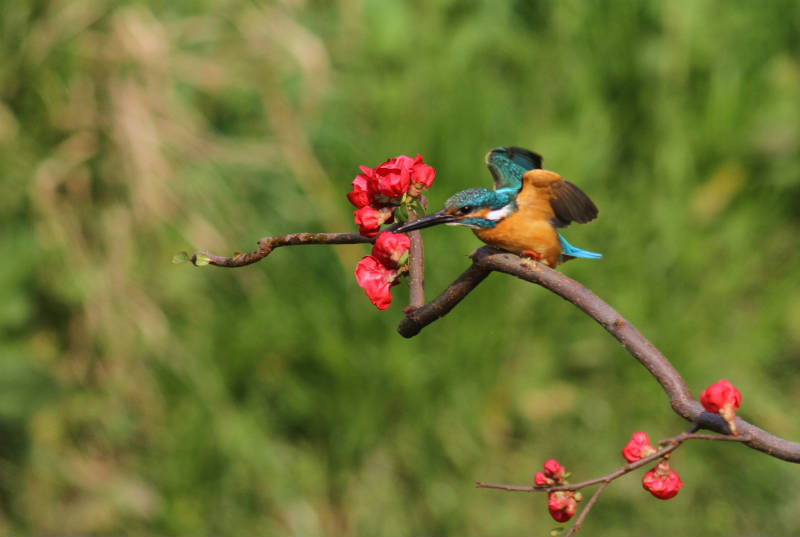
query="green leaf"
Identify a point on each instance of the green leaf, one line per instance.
(201, 260)
(401, 214)
(403, 259)
(417, 207)
(180, 257)
(557, 531)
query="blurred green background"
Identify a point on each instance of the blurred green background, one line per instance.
(141, 397)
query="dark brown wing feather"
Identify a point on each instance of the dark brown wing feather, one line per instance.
(570, 204)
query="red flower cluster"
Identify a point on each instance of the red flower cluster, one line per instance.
(638, 447)
(553, 474)
(722, 398)
(376, 273)
(562, 504)
(378, 192)
(662, 482)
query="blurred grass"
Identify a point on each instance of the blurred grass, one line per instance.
(140, 397)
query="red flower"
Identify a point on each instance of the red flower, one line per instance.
(376, 279)
(720, 395)
(422, 175)
(369, 219)
(394, 176)
(377, 192)
(638, 447)
(542, 480)
(389, 248)
(562, 505)
(554, 470)
(390, 181)
(722, 398)
(662, 482)
(364, 188)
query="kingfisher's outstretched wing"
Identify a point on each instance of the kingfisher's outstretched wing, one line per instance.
(567, 202)
(509, 164)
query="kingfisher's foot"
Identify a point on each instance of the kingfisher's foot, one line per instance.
(529, 255)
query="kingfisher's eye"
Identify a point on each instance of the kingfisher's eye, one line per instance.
(466, 209)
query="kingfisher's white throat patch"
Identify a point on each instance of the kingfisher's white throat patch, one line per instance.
(499, 214)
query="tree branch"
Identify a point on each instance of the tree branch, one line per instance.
(416, 264)
(488, 259)
(267, 244)
(440, 306)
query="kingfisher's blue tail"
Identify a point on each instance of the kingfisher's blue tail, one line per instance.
(568, 249)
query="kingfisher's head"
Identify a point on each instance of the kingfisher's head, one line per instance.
(478, 208)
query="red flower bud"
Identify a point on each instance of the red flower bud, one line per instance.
(364, 188)
(389, 248)
(542, 480)
(394, 176)
(562, 505)
(638, 447)
(662, 482)
(554, 470)
(369, 219)
(376, 279)
(722, 398)
(421, 174)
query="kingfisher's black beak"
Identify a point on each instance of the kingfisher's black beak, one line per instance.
(439, 217)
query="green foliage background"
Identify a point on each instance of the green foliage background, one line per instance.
(141, 397)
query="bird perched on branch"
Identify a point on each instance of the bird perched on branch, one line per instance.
(523, 212)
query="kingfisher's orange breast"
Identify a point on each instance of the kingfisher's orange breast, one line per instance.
(526, 229)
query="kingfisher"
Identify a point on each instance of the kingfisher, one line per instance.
(524, 211)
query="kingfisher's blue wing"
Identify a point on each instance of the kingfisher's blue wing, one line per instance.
(568, 249)
(508, 164)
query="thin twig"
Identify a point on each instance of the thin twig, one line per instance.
(585, 511)
(267, 244)
(509, 488)
(672, 444)
(607, 478)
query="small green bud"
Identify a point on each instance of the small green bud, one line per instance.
(201, 260)
(401, 214)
